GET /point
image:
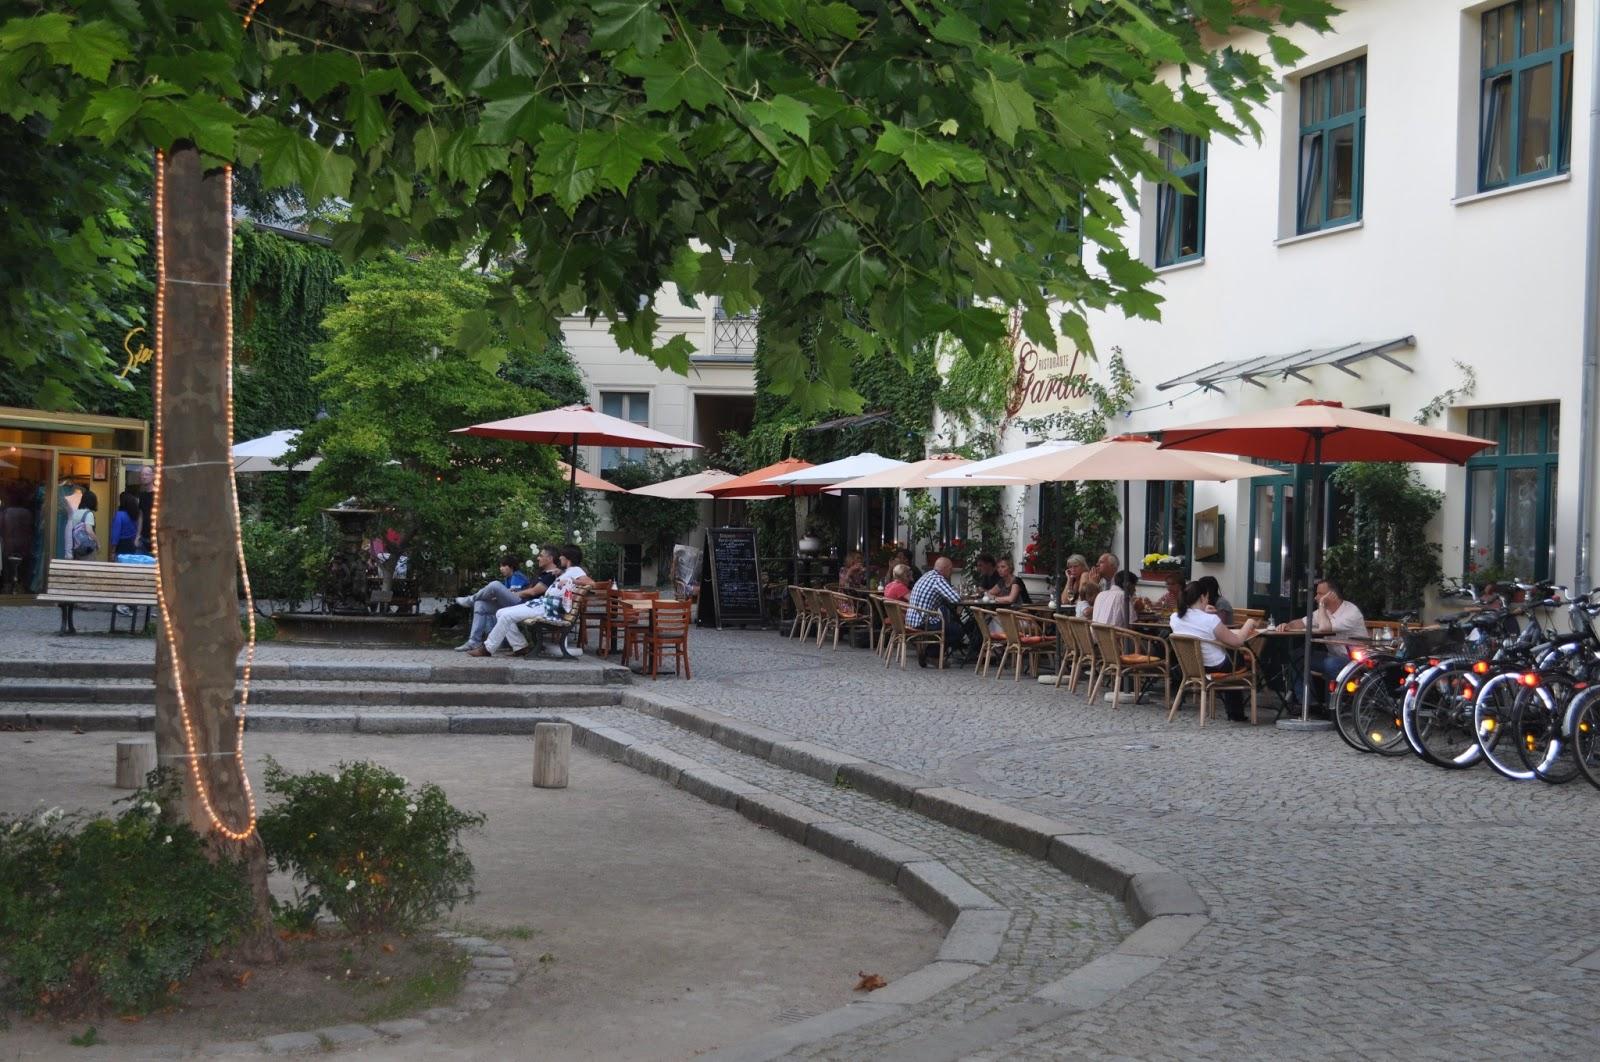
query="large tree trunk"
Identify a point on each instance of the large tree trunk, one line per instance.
(195, 528)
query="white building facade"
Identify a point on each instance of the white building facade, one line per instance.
(1416, 205)
(717, 395)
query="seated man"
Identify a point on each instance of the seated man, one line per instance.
(936, 599)
(1335, 619)
(552, 605)
(988, 574)
(512, 588)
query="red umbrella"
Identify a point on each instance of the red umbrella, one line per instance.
(1310, 432)
(574, 426)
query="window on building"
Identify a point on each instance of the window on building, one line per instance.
(629, 405)
(1167, 504)
(1333, 127)
(1180, 214)
(1511, 500)
(1525, 93)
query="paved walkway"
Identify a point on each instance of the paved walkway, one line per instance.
(1362, 907)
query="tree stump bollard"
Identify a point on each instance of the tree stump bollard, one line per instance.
(136, 758)
(552, 748)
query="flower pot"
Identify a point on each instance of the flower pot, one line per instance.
(1159, 575)
(809, 544)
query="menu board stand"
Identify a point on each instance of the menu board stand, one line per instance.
(730, 583)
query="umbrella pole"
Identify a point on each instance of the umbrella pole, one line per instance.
(572, 486)
(794, 538)
(1313, 540)
(1127, 538)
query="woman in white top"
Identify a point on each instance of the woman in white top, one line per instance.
(1192, 618)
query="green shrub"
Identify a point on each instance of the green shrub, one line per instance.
(281, 561)
(99, 911)
(375, 852)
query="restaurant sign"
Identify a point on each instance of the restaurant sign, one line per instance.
(1046, 382)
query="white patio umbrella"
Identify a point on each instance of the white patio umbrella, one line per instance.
(266, 454)
(837, 472)
(686, 488)
(908, 476)
(997, 471)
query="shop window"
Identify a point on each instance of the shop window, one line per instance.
(1511, 502)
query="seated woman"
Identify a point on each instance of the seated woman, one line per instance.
(903, 557)
(1194, 618)
(1169, 601)
(853, 573)
(1088, 589)
(1116, 605)
(1219, 604)
(898, 587)
(1007, 590)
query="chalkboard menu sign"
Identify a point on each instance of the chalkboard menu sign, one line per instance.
(733, 578)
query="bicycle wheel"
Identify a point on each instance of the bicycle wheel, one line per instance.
(1342, 704)
(1437, 717)
(1494, 723)
(1377, 707)
(1536, 723)
(1582, 729)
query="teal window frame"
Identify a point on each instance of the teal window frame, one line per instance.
(1518, 65)
(632, 406)
(1185, 156)
(1331, 101)
(1158, 523)
(1541, 423)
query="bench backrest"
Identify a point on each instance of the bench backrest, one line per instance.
(97, 580)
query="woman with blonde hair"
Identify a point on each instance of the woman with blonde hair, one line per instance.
(899, 586)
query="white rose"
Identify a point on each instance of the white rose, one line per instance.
(168, 840)
(524, 525)
(351, 884)
(504, 548)
(411, 809)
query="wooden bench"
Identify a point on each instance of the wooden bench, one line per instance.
(71, 583)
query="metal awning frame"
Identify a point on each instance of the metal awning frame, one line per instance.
(1252, 370)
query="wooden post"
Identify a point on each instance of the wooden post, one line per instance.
(552, 749)
(136, 758)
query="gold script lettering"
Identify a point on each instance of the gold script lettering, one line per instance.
(136, 356)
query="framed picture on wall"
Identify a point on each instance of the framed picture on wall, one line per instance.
(1208, 535)
(102, 469)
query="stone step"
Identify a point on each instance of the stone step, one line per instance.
(359, 694)
(588, 672)
(368, 719)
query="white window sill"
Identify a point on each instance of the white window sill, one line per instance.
(1175, 267)
(1320, 233)
(1511, 189)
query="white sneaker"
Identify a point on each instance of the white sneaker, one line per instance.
(464, 646)
(465, 601)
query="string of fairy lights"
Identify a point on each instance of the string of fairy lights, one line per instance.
(193, 756)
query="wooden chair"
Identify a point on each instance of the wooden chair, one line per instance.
(629, 626)
(1239, 674)
(803, 617)
(1150, 657)
(592, 605)
(841, 612)
(989, 638)
(1086, 655)
(1024, 640)
(904, 636)
(668, 630)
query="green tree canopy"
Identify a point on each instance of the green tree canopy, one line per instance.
(915, 161)
(396, 385)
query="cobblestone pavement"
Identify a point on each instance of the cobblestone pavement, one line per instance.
(1362, 907)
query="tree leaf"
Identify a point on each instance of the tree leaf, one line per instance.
(315, 74)
(848, 269)
(956, 28)
(91, 48)
(785, 112)
(519, 117)
(1006, 106)
(558, 172)
(798, 163)
(931, 161)
(490, 49)
(635, 24)
(50, 28)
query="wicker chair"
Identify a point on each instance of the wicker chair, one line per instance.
(1070, 661)
(878, 619)
(815, 607)
(803, 616)
(1086, 655)
(1024, 641)
(987, 620)
(1149, 658)
(903, 636)
(841, 612)
(1239, 674)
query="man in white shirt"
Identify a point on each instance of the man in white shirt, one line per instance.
(1335, 619)
(553, 605)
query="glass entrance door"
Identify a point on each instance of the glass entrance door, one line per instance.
(1278, 537)
(26, 474)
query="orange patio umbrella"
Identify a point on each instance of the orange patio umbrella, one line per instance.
(1313, 431)
(587, 480)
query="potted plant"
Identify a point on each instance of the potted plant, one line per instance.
(1157, 565)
